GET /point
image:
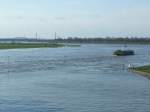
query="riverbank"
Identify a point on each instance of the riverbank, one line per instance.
(143, 70)
(29, 45)
(81, 40)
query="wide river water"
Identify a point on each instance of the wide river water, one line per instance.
(73, 79)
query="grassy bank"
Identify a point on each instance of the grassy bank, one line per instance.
(144, 70)
(28, 45)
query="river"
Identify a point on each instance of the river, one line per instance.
(73, 79)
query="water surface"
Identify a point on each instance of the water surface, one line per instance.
(79, 79)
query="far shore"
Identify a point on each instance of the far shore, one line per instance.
(35, 45)
(29, 45)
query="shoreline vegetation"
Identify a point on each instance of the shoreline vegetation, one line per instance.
(77, 40)
(24, 42)
(143, 70)
(29, 45)
(35, 45)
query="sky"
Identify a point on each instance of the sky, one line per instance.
(74, 18)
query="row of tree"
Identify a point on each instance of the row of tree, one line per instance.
(104, 40)
(110, 40)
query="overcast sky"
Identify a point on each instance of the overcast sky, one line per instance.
(83, 18)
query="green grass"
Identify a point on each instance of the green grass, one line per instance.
(143, 70)
(29, 45)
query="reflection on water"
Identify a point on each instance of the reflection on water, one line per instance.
(86, 78)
